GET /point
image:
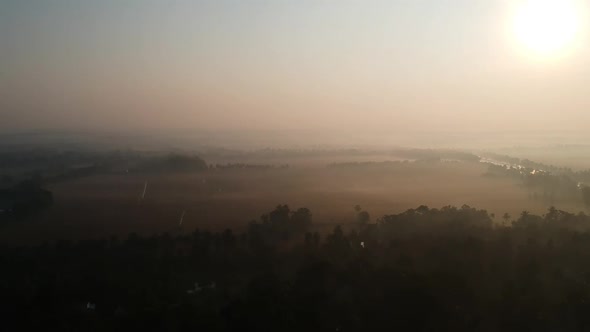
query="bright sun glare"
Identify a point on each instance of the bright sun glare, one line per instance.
(547, 27)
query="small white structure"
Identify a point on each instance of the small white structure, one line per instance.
(194, 290)
(198, 288)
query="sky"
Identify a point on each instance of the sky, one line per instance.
(345, 66)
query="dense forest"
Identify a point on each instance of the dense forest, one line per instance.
(421, 270)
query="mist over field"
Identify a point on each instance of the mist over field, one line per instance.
(295, 166)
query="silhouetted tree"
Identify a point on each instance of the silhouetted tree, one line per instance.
(586, 195)
(363, 217)
(423, 269)
(301, 219)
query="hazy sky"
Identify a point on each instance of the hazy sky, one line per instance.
(347, 65)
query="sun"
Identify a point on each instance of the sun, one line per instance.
(547, 27)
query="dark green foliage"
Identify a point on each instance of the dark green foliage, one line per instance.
(279, 225)
(586, 195)
(447, 269)
(24, 199)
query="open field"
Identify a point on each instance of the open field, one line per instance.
(103, 205)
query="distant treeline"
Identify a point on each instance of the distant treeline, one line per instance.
(431, 154)
(448, 269)
(172, 162)
(413, 157)
(408, 153)
(56, 166)
(377, 164)
(370, 164)
(229, 166)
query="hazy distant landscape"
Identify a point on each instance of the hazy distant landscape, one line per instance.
(308, 165)
(227, 235)
(96, 194)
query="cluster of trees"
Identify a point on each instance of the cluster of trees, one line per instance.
(46, 158)
(528, 163)
(55, 165)
(51, 165)
(548, 186)
(279, 226)
(24, 199)
(421, 270)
